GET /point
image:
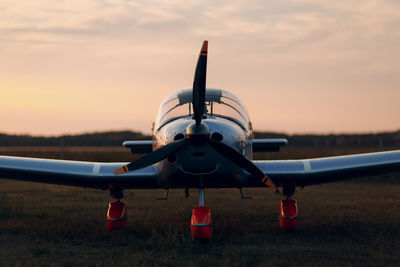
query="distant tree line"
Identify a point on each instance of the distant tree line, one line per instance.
(89, 139)
(388, 139)
(382, 140)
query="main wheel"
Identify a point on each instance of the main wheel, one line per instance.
(288, 218)
(116, 215)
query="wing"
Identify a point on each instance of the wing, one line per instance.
(322, 170)
(76, 173)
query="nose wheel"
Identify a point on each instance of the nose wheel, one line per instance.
(201, 223)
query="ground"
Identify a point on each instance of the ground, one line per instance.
(348, 223)
(340, 224)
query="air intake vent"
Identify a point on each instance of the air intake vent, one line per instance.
(179, 136)
(217, 137)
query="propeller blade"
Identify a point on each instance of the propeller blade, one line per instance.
(199, 84)
(152, 157)
(240, 160)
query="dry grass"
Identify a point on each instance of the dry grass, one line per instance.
(340, 224)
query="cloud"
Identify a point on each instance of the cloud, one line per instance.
(301, 46)
(278, 22)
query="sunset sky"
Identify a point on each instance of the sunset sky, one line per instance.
(300, 66)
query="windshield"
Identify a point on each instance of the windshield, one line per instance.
(172, 109)
(219, 103)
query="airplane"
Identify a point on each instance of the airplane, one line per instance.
(202, 138)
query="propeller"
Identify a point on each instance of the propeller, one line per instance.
(198, 133)
(240, 160)
(153, 157)
(199, 84)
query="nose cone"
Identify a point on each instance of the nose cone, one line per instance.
(197, 130)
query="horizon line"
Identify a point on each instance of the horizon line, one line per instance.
(150, 134)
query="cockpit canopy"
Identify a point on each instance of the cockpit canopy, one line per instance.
(219, 103)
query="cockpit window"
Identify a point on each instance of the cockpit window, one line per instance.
(227, 107)
(172, 109)
(219, 103)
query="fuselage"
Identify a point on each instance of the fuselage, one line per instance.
(199, 165)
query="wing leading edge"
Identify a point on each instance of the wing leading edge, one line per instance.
(330, 169)
(75, 173)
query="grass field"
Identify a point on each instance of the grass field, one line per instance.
(340, 224)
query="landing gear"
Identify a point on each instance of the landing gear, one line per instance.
(200, 226)
(288, 218)
(116, 214)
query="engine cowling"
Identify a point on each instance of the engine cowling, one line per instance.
(116, 215)
(288, 218)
